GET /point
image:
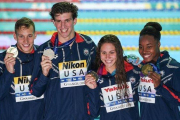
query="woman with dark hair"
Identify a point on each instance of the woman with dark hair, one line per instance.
(114, 95)
(159, 88)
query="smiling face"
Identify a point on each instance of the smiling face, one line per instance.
(64, 24)
(25, 38)
(149, 48)
(108, 56)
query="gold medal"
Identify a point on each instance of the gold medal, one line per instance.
(93, 74)
(49, 53)
(146, 68)
(13, 50)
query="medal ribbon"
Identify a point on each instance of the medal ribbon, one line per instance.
(156, 67)
(63, 44)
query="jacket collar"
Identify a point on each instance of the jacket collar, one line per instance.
(162, 55)
(102, 70)
(53, 38)
(32, 52)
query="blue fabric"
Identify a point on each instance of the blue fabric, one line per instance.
(9, 108)
(96, 103)
(166, 105)
(63, 103)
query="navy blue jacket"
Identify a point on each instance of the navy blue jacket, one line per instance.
(9, 108)
(167, 96)
(95, 100)
(63, 103)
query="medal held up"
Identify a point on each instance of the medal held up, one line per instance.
(149, 67)
(93, 74)
(146, 69)
(13, 50)
(49, 53)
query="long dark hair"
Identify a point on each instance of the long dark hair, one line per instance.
(120, 70)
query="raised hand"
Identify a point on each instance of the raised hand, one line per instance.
(10, 61)
(155, 77)
(90, 81)
(46, 65)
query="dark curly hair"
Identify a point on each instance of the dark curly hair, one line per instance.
(153, 29)
(64, 7)
(120, 70)
(24, 22)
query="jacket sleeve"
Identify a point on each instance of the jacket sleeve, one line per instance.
(171, 93)
(6, 79)
(93, 101)
(38, 82)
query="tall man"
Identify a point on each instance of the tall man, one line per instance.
(16, 65)
(61, 65)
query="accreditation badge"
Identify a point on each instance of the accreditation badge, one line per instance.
(115, 100)
(22, 90)
(146, 90)
(72, 73)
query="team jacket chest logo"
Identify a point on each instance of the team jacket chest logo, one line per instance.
(86, 52)
(132, 80)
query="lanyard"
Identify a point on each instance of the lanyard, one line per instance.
(62, 45)
(156, 67)
(14, 46)
(55, 44)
